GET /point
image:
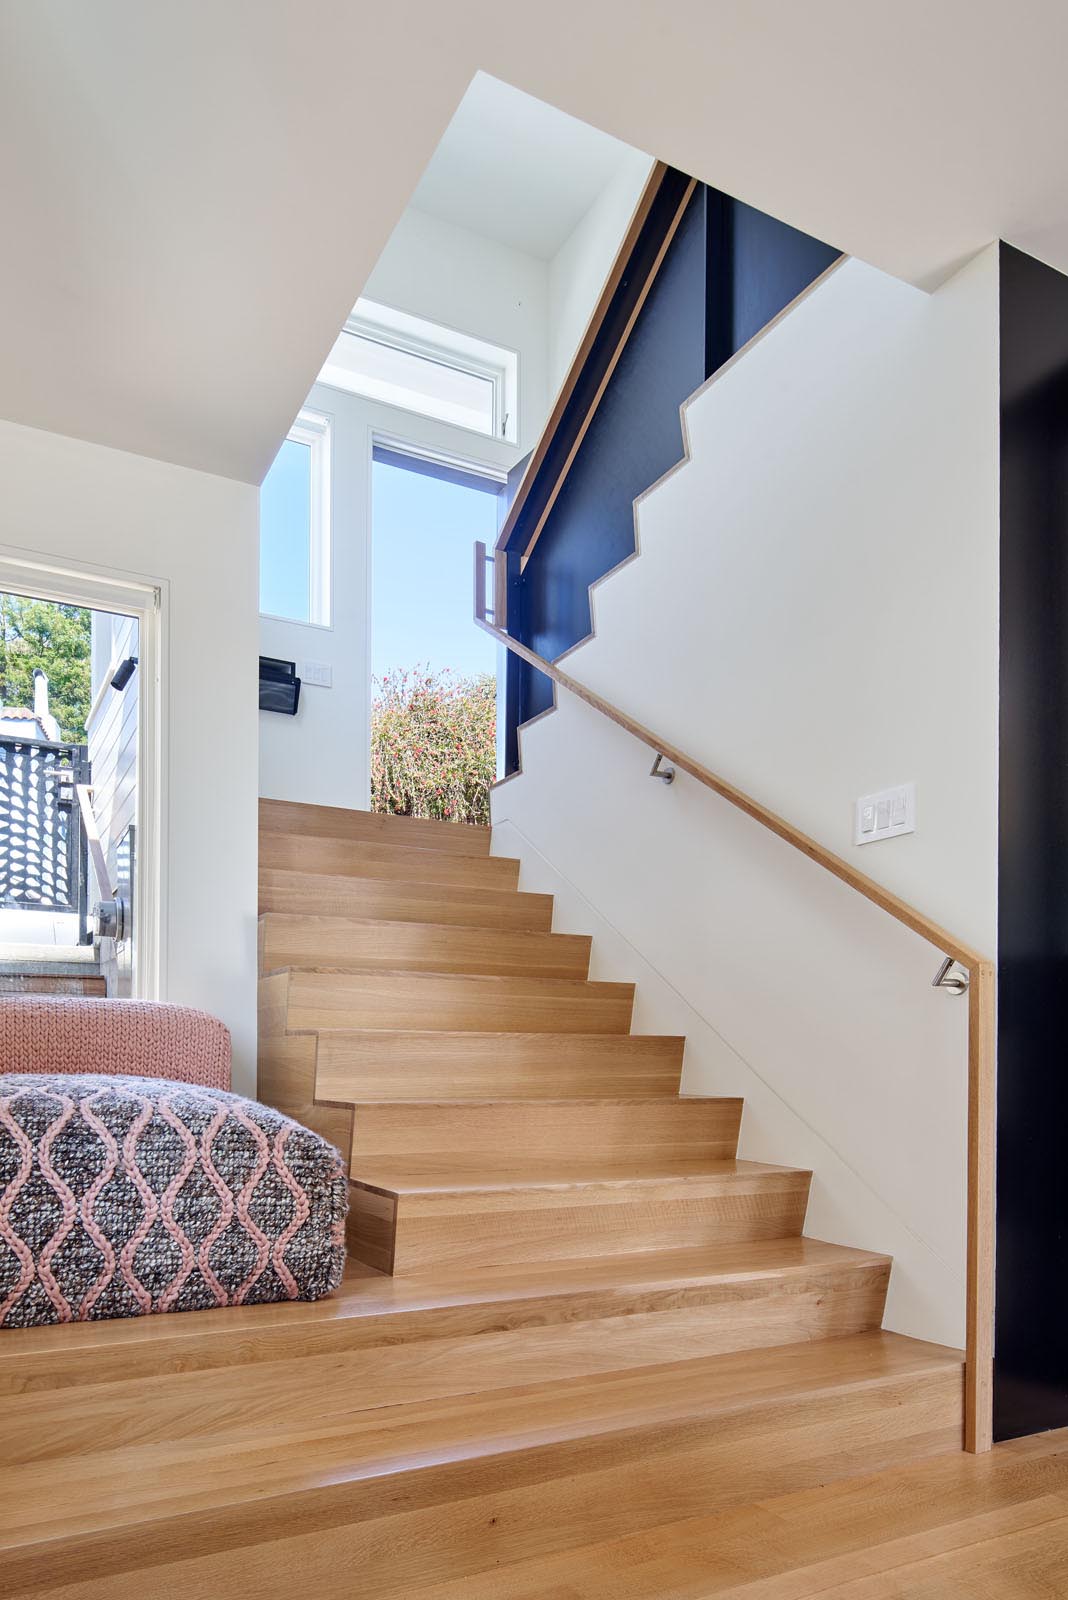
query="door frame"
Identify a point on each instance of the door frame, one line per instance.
(146, 599)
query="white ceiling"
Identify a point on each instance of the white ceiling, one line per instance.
(516, 170)
(195, 194)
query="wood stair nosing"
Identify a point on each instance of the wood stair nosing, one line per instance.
(454, 1002)
(416, 1493)
(399, 1064)
(325, 894)
(339, 822)
(373, 944)
(394, 863)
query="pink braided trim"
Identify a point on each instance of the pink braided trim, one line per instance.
(68, 1213)
(222, 1189)
(89, 1198)
(18, 1245)
(144, 1227)
(296, 1221)
(170, 1221)
(263, 1244)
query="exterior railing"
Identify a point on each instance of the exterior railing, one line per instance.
(43, 856)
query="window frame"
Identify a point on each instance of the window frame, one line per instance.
(444, 347)
(314, 428)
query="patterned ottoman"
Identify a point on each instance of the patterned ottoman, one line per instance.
(123, 1196)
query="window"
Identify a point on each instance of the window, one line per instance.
(295, 526)
(405, 361)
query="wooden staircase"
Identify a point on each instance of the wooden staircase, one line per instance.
(570, 1313)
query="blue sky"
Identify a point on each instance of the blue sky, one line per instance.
(422, 559)
(423, 532)
(285, 509)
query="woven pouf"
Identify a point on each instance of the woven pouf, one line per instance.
(125, 1196)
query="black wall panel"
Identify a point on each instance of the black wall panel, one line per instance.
(1031, 1361)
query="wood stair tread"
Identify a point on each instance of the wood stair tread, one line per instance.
(300, 1431)
(561, 1101)
(428, 1177)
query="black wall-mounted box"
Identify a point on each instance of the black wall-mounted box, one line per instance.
(279, 686)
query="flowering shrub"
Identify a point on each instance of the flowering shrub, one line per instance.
(433, 745)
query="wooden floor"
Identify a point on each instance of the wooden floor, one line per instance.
(959, 1527)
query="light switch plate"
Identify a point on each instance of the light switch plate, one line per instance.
(885, 815)
(315, 674)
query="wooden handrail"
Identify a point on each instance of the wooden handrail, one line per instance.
(981, 1042)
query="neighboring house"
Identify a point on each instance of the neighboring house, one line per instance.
(111, 728)
(23, 722)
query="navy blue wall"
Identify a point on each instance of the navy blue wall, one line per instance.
(728, 271)
(634, 437)
(1031, 1362)
(756, 266)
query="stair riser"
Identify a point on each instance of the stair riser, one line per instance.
(443, 1066)
(371, 827)
(396, 863)
(454, 1004)
(348, 943)
(419, 1233)
(328, 895)
(463, 1517)
(613, 1131)
(433, 1351)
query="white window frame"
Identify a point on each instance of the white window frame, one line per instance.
(313, 428)
(148, 600)
(447, 347)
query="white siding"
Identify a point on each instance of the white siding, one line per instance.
(112, 730)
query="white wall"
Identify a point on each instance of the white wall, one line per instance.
(195, 534)
(578, 270)
(814, 615)
(475, 285)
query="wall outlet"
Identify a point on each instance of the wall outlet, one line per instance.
(886, 814)
(315, 674)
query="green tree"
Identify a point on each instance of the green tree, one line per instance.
(433, 745)
(37, 633)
